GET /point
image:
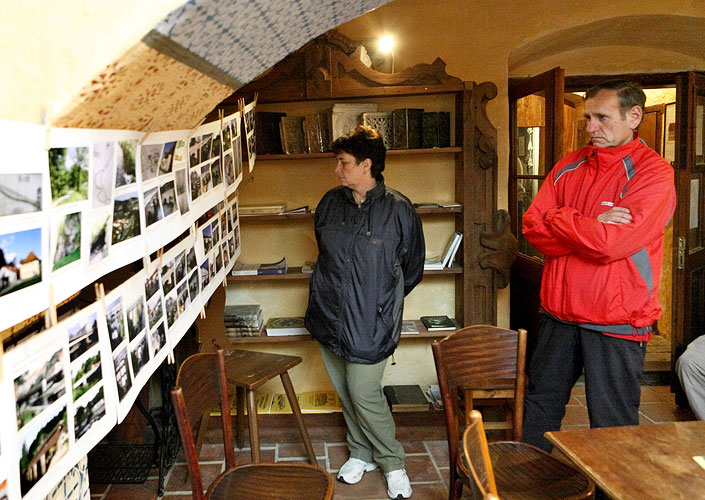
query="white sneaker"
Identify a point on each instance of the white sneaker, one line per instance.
(351, 472)
(398, 485)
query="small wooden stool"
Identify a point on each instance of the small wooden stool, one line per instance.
(248, 370)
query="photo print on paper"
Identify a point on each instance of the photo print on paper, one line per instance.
(237, 153)
(68, 174)
(215, 230)
(180, 266)
(116, 324)
(215, 172)
(237, 237)
(206, 147)
(152, 284)
(193, 285)
(40, 386)
(100, 239)
(20, 260)
(103, 164)
(227, 137)
(82, 336)
(85, 375)
(226, 256)
(228, 168)
(20, 193)
(68, 240)
(231, 246)
(152, 206)
(218, 259)
(191, 259)
(168, 277)
(135, 318)
(205, 278)
(157, 339)
(228, 222)
(150, 154)
(172, 313)
(139, 354)
(215, 146)
(45, 443)
(195, 184)
(207, 239)
(122, 372)
(206, 178)
(167, 159)
(154, 309)
(183, 297)
(85, 415)
(126, 171)
(168, 196)
(126, 218)
(194, 148)
(181, 190)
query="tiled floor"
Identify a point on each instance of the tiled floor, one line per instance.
(426, 464)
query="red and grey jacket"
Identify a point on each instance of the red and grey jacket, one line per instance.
(604, 277)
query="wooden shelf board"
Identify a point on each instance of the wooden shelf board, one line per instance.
(309, 215)
(294, 273)
(390, 152)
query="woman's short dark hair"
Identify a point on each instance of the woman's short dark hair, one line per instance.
(630, 94)
(363, 142)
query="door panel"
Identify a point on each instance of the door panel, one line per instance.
(689, 242)
(536, 144)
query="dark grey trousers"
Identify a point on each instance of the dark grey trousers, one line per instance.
(612, 369)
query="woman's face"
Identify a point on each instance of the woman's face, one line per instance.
(351, 173)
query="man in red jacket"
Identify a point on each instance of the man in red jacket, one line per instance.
(599, 220)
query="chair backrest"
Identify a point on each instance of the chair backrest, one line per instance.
(479, 357)
(477, 456)
(201, 386)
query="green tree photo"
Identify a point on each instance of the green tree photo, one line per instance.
(68, 174)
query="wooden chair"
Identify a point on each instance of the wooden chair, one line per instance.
(512, 470)
(480, 365)
(200, 386)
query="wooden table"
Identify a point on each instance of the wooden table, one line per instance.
(639, 462)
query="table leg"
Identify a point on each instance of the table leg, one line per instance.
(291, 395)
(240, 417)
(254, 428)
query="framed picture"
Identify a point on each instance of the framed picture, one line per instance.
(669, 133)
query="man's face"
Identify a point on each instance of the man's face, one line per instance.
(351, 173)
(606, 125)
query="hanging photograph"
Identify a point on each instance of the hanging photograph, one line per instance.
(215, 172)
(38, 387)
(226, 256)
(207, 239)
(100, 237)
(135, 318)
(139, 354)
(68, 174)
(126, 217)
(154, 309)
(228, 168)
(20, 193)
(157, 340)
(102, 170)
(191, 259)
(168, 197)
(167, 159)
(193, 284)
(168, 277)
(218, 259)
(83, 336)
(150, 154)
(152, 206)
(206, 147)
(227, 137)
(151, 285)
(85, 375)
(181, 190)
(206, 182)
(194, 147)
(42, 446)
(87, 413)
(183, 297)
(122, 373)
(20, 260)
(126, 163)
(215, 230)
(215, 146)
(180, 266)
(172, 312)
(195, 184)
(116, 323)
(67, 235)
(205, 276)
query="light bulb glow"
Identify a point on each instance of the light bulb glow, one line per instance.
(386, 43)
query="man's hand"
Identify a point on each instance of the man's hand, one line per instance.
(616, 215)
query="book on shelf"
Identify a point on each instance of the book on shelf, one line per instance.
(430, 130)
(292, 134)
(317, 133)
(382, 122)
(242, 269)
(278, 267)
(409, 327)
(405, 397)
(437, 323)
(433, 263)
(319, 402)
(280, 404)
(286, 326)
(262, 209)
(407, 124)
(298, 210)
(308, 266)
(243, 320)
(438, 262)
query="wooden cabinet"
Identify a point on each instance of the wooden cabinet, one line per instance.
(311, 80)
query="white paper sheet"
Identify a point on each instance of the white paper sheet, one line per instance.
(248, 118)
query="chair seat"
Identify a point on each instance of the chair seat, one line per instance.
(523, 471)
(272, 482)
(251, 369)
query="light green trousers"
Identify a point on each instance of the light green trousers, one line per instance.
(370, 424)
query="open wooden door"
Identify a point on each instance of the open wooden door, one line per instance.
(536, 144)
(689, 224)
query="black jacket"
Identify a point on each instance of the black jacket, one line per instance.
(370, 257)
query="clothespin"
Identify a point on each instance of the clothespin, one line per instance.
(100, 295)
(170, 356)
(50, 318)
(160, 254)
(145, 261)
(146, 130)
(221, 115)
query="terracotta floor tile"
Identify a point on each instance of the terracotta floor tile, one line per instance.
(98, 488)
(178, 481)
(337, 455)
(575, 415)
(289, 450)
(146, 491)
(244, 456)
(439, 451)
(372, 485)
(420, 468)
(665, 412)
(651, 394)
(436, 491)
(413, 446)
(578, 390)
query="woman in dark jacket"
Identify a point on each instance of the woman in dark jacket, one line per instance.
(371, 255)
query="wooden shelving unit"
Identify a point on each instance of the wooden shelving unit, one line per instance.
(294, 273)
(390, 152)
(310, 214)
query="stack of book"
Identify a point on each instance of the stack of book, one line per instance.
(437, 323)
(277, 327)
(439, 262)
(405, 397)
(262, 209)
(243, 320)
(243, 269)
